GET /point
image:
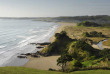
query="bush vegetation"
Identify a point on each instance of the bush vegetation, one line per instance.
(88, 24)
(82, 55)
(59, 45)
(93, 34)
(93, 24)
(105, 25)
(76, 54)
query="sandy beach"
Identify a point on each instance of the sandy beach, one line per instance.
(95, 46)
(44, 63)
(61, 28)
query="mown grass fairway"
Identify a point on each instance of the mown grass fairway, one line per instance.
(22, 70)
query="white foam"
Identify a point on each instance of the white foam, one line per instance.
(5, 55)
(25, 42)
(36, 38)
(2, 52)
(2, 46)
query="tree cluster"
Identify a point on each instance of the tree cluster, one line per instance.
(82, 55)
(93, 34)
(78, 53)
(88, 24)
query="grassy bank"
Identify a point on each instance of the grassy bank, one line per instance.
(22, 70)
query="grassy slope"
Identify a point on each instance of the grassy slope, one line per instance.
(21, 70)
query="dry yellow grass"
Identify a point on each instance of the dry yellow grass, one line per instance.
(97, 39)
(107, 43)
(76, 32)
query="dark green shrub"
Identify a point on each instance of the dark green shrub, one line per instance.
(88, 24)
(93, 34)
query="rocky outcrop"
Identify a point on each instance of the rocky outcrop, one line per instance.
(27, 54)
(43, 54)
(35, 55)
(22, 56)
(39, 47)
(38, 53)
(41, 44)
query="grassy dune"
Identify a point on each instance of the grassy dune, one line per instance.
(22, 70)
(76, 32)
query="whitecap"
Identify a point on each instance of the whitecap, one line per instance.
(2, 46)
(25, 41)
(2, 52)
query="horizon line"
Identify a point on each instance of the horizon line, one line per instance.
(51, 17)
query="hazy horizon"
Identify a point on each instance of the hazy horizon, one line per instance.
(53, 8)
(51, 16)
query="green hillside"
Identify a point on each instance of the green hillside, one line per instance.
(22, 70)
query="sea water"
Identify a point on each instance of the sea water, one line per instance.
(17, 34)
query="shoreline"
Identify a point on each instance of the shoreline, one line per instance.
(15, 61)
(44, 63)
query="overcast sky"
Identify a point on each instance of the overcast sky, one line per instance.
(53, 8)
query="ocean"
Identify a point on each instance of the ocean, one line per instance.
(17, 34)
